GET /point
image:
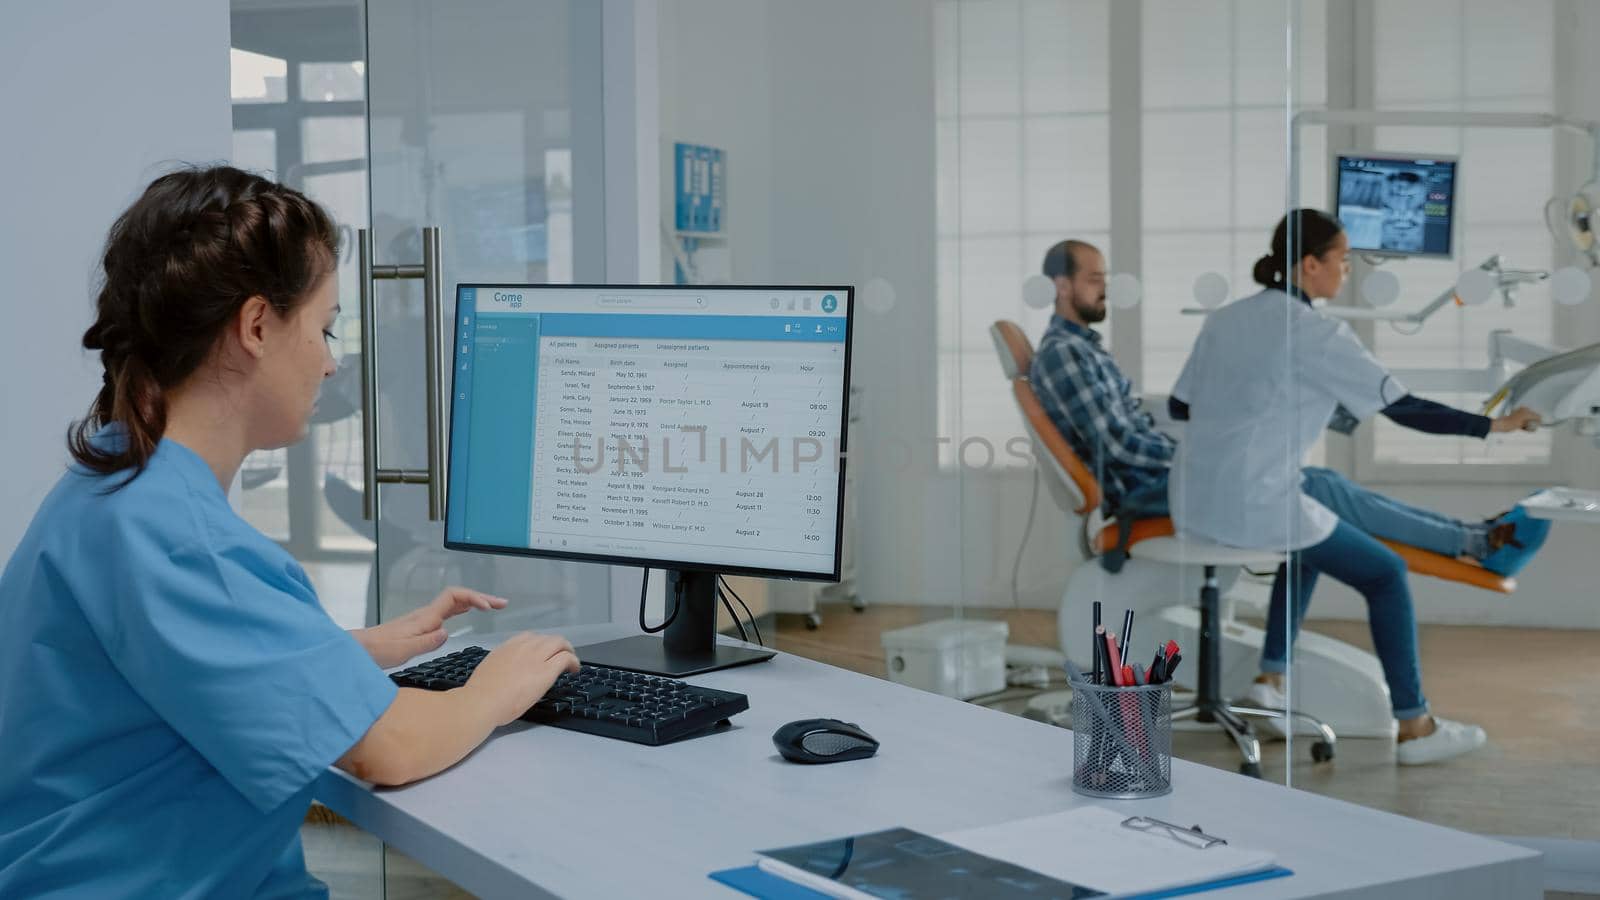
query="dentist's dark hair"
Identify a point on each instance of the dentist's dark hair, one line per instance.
(1061, 260)
(178, 265)
(1314, 233)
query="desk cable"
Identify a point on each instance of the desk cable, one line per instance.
(743, 636)
(677, 601)
(729, 588)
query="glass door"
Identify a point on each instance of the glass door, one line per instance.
(484, 142)
(299, 108)
(298, 77)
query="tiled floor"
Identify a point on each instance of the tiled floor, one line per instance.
(1539, 776)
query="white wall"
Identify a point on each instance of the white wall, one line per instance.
(826, 112)
(716, 89)
(96, 99)
(854, 183)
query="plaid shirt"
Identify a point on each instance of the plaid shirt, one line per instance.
(1092, 403)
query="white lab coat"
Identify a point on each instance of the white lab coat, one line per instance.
(1262, 382)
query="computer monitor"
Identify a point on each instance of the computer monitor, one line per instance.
(1397, 205)
(695, 429)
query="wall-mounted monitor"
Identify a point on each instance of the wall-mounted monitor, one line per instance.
(1397, 204)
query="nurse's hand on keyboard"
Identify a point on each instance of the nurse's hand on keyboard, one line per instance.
(1519, 419)
(518, 672)
(422, 630)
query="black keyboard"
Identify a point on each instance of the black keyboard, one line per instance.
(615, 703)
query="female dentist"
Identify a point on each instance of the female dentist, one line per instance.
(170, 687)
(1265, 378)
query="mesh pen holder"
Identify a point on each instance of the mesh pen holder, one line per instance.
(1122, 740)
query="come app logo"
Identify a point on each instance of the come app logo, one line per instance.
(508, 299)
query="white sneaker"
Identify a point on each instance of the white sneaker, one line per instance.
(1448, 740)
(1265, 696)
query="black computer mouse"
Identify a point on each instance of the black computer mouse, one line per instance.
(823, 741)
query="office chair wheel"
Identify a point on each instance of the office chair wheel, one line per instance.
(1321, 752)
(1251, 769)
(813, 621)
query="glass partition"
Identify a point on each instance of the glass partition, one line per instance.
(1053, 216)
(1174, 138)
(298, 109)
(1110, 173)
(298, 77)
(483, 124)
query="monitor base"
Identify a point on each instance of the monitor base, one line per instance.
(647, 654)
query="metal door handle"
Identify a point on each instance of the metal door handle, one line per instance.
(433, 363)
(431, 272)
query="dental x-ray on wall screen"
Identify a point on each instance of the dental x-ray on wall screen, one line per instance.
(1396, 205)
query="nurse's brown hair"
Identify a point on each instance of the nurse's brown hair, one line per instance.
(177, 267)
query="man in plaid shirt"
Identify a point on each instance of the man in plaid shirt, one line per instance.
(1088, 398)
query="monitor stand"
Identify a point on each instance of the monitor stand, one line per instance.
(689, 646)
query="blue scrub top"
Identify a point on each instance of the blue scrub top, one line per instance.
(170, 690)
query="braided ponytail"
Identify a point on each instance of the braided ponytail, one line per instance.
(178, 265)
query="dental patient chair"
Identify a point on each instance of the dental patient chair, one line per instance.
(1162, 570)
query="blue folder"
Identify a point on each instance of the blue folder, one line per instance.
(766, 886)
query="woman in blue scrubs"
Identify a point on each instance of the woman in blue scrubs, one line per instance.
(170, 686)
(1265, 378)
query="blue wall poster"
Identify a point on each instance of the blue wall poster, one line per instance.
(700, 187)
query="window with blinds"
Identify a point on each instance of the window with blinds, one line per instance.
(1215, 162)
(1023, 161)
(1470, 55)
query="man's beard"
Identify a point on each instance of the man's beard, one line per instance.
(1091, 313)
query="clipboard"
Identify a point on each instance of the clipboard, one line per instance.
(753, 882)
(1193, 836)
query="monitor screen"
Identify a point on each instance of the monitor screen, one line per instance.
(1397, 205)
(683, 427)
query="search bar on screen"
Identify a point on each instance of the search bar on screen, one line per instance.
(679, 302)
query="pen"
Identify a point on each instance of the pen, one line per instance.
(1098, 629)
(1139, 675)
(1127, 633)
(1169, 653)
(1172, 664)
(1102, 663)
(1157, 670)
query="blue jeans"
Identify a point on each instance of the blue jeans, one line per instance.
(1355, 558)
(1352, 555)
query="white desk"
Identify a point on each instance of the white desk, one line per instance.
(541, 811)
